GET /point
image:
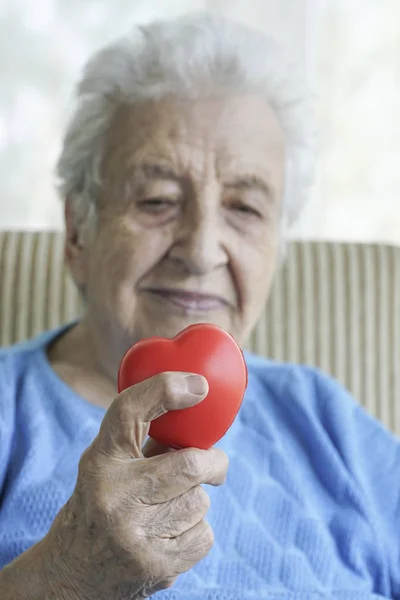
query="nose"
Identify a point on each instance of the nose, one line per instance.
(199, 246)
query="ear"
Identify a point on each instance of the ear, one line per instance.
(75, 253)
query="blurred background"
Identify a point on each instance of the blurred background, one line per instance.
(349, 50)
(336, 301)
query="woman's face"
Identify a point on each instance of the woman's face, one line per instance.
(188, 223)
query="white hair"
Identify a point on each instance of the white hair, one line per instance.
(184, 57)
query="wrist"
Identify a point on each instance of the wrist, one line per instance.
(24, 577)
(34, 575)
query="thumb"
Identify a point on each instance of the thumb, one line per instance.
(126, 423)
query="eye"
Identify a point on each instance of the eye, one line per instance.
(157, 204)
(244, 209)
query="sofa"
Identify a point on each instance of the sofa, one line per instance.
(333, 305)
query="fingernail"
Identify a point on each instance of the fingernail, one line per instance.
(196, 384)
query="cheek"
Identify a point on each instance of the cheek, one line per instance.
(121, 257)
(256, 266)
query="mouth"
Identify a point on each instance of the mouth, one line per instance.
(190, 302)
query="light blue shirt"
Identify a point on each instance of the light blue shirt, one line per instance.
(310, 509)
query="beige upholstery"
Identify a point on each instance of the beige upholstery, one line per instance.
(336, 306)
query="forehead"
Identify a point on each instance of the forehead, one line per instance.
(220, 132)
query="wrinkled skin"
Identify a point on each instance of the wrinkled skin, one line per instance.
(191, 201)
(134, 523)
(205, 219)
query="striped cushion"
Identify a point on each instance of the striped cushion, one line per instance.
(35, 291)
(333, 305)
(337, 306)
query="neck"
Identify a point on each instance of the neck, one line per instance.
(76, 358)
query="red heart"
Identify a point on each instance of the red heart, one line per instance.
(203, 349)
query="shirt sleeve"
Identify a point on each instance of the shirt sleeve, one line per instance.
(371, 454)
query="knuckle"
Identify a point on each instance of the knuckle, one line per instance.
(167, 384)
(85, 460)
(207, 537)
(88, 464)
(163, 584)
(192, 464)
(225, 458)
(195, 503)
(119, 412)
(201, 499)
(192, 549)
(201, 546)
(221, 459)
(124, 406)
(168, 583)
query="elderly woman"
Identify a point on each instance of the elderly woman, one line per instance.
(185, 160)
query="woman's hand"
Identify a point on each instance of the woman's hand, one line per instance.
(133, 524)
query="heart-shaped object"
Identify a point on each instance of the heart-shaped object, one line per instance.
(204, 349)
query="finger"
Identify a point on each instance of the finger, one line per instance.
(125, 425)
(171, 519)
(163, 478)
(153, 448)
(189, 548)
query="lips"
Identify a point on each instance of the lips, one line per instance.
(189, 301)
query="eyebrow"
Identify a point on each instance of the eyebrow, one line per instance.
(159, 171)
(250, 182)
(244, 182)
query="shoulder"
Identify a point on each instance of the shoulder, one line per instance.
(304, 400)
(22, 366)
(312, 387)
(15, 359)
(306, 396)
(15, 364)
